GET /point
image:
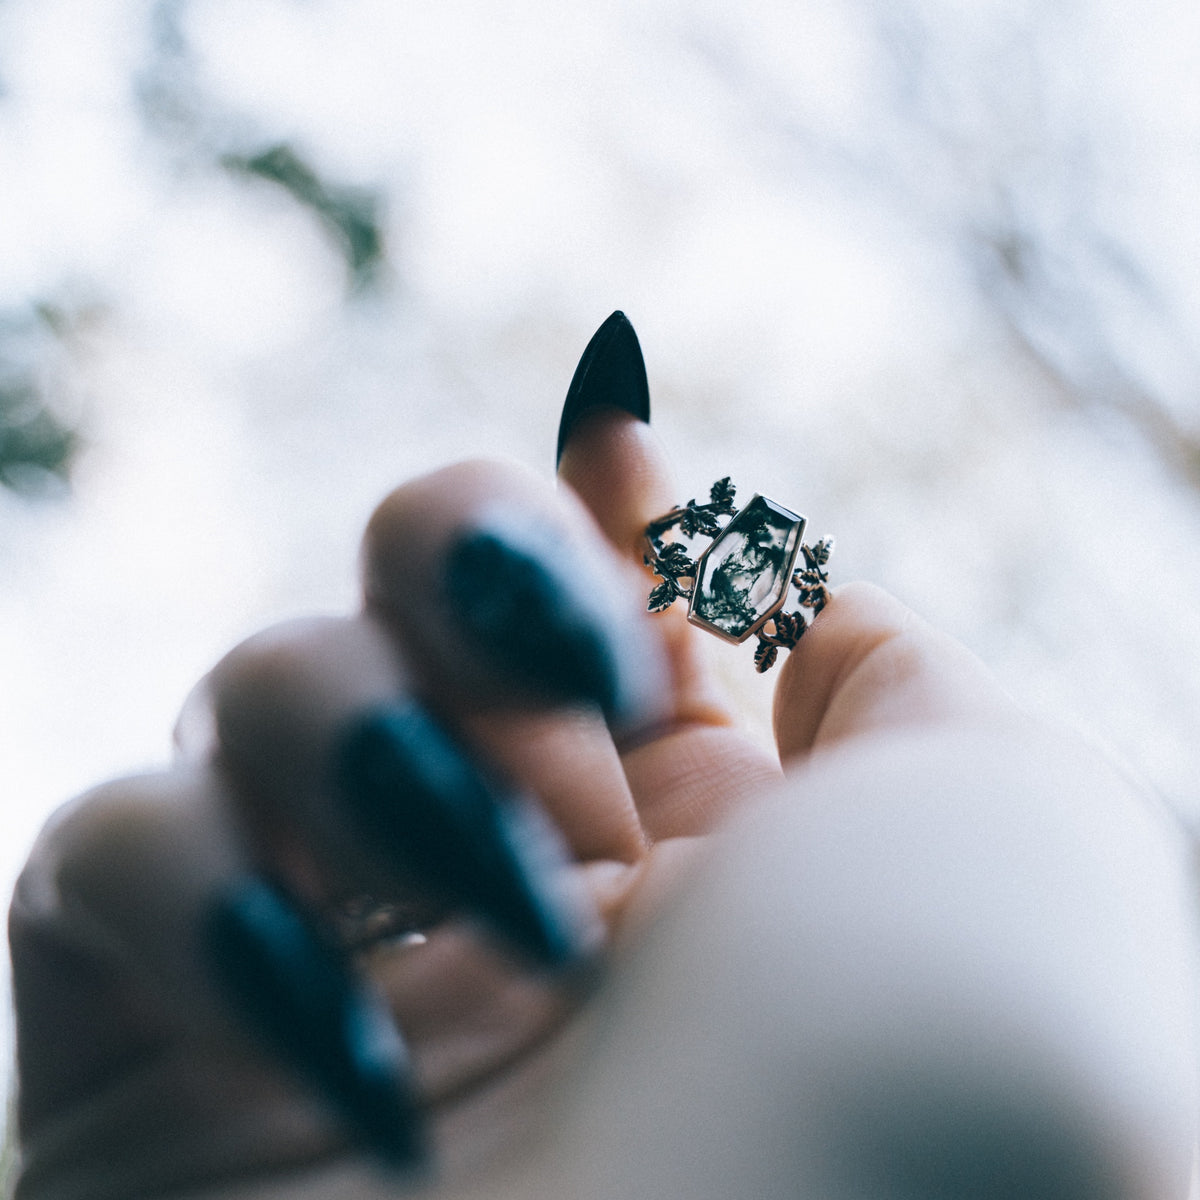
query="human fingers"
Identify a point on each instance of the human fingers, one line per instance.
(576, 771)
(867, 666)
(698, 765)
(178, 1021)
(205, 906)
(345, 785)
(522, 633)
(481, 1028)
(867, 663)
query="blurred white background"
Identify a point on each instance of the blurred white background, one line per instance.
(928, 271)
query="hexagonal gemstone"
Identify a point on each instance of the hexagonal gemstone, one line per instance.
(743, 577)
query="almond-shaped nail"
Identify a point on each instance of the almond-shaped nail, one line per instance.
(301, 998)
(531, 607)
(611, 373)
(417, 799)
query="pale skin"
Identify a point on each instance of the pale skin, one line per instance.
(942, 950)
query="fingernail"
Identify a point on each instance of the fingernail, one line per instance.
(300, 997)
(418, 800)
(611, 373)
(527, 607)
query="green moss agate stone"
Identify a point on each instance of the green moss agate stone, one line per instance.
(743, 577)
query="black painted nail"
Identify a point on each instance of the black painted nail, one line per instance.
(418, 800)
(301, 998)
(611, 372)
(522, 600)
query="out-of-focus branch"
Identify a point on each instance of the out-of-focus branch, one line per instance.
(350, 215)
(981, 148)
(197, 126)
(37, 444)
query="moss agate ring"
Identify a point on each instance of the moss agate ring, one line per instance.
(740, 584)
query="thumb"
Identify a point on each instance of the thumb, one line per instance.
(870, 665)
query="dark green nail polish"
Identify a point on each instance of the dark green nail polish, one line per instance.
(301, 998)
(524, 605)
(416, 799)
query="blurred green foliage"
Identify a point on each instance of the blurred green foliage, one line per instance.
(199, 129)
(350, 215)
(34, 443)
(37, 446)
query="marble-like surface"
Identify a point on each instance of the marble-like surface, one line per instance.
(925, 271)
(745, 572)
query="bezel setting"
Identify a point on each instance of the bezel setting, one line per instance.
(739, 585)
(713, 571)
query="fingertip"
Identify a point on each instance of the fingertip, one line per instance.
(618, 467)
(132, 851)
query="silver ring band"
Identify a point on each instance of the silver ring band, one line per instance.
(740, 584)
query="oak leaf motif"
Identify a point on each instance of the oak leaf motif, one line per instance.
(675, 559)
(786, 631)
(661, 598)
(722, 493)
(765, 656)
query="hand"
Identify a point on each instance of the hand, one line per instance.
(943, 925)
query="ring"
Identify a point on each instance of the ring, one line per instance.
(739, 585)
(361, 923)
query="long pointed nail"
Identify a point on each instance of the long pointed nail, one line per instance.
(531, 609)
(611, 373)
(301, 998)
(417, 799)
